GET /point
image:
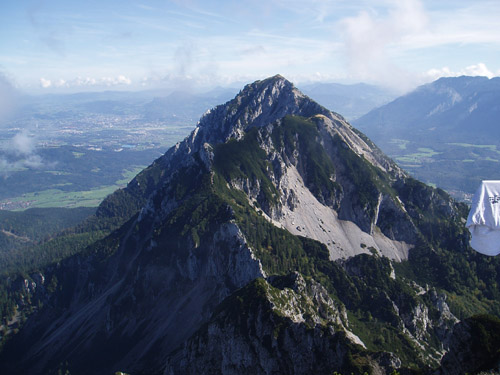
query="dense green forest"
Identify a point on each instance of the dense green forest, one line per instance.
(56, 234)
(21, 231)
(29, 240)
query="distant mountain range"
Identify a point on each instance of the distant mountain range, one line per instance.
(186, 105)
(351, 101)
(446, 132)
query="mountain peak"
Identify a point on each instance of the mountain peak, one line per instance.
(277, 76)
(275, 81)
(258, 104)
(266, 103)
(273, 90)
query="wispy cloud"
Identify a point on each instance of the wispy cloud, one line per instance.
(197, 8)
(21, 153)
(382, 41)
(368, 37)
(120, 80)
(49, 32)
(22, 144)
(145, 7)
(45, 83)
(479, 69)
(475, 23)
(146, 22)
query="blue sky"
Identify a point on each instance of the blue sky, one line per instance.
(65, 45)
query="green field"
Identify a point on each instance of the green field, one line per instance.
(492, 148)
(129, 174)
(455, 167)
(401, 143)
(77, 154)
(424, 153)
(68, 199)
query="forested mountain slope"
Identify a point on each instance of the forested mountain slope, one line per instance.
(275, 238)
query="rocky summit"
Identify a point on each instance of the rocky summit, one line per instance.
(276, 238)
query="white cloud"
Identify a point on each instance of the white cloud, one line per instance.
(45, 83)
(79, 81)
(22, 143)
(21, 153)
(479, 69)
(112, 81)
(33, 161)
(124, 80)
(86, 82)
(60, 83)
(369, 36)
(407, 17)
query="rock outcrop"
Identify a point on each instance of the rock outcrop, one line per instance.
(281, 325)
(474, 346)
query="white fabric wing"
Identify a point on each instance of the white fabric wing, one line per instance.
(484, 219)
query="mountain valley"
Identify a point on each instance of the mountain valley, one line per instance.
(444, 133)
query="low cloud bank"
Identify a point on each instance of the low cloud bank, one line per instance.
(20, 153)
(120, 80)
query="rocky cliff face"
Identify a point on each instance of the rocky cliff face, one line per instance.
(284, 324)
(261, 243)
(473, 347)
(139, 304)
